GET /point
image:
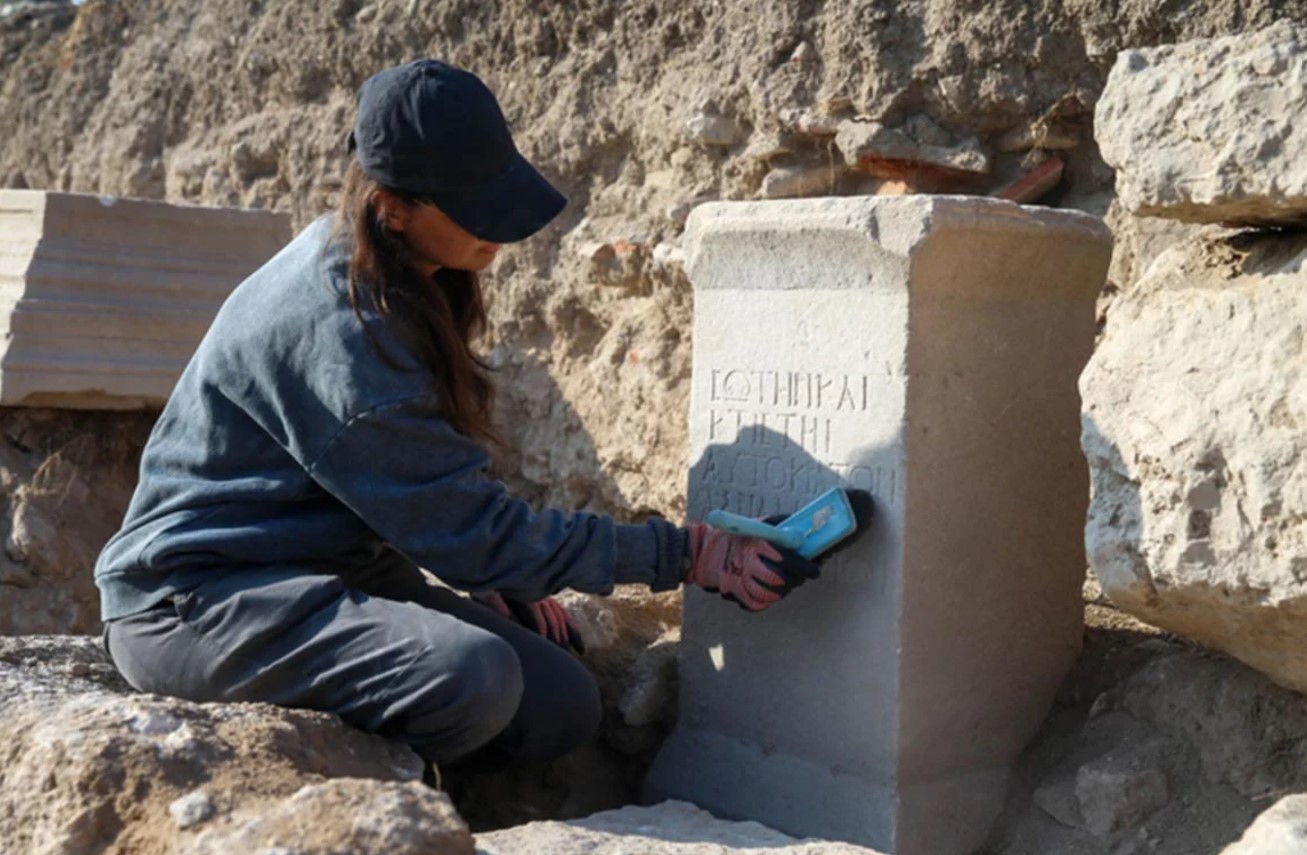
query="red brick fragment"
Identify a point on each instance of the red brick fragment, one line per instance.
(1034, 184)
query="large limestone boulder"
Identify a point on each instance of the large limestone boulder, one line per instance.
(1208, 131)
(1193, 423)
(670, 828)
(87, 766)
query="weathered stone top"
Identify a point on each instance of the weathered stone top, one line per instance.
(894, 229)
(1210, 131)
(102, 300)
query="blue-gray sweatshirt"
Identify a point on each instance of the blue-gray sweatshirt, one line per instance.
(289, 442)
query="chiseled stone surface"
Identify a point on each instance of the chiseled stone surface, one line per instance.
(103, 300)
(1208, 131)
(1194, 407)
(670, 828)
(925, 348)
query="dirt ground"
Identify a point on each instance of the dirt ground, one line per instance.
(1217, 732)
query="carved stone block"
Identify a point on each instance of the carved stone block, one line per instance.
(925, 348)
(103, 300)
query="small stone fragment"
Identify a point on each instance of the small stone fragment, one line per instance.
(810, 122)
(803, 53)
(874, 148)
(1057, 798)
(1049, 136)
(668, 254)
(925, 131)
(1114, 794)
(650, 695)
(712, 130)
(835, 104)
(769, 145)
(892, 187)
(789, 182)
(192, 809)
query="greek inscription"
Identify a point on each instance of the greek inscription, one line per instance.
(791, 390)
(770, 443)
(743, 478)
(811, 433)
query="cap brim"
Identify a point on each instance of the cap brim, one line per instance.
(511, 207)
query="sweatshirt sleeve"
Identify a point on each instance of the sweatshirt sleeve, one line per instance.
(422, 486)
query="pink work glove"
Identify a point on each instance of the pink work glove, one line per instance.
(746, 570)
(546, 617)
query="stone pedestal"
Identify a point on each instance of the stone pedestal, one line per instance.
(103, 300)
(924, 348)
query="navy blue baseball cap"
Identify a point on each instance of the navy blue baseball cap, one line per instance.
(437, 132)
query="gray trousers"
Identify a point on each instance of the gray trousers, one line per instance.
(385, 650)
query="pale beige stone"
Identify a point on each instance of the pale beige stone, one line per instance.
(924, 348)
(1194, 406)
(1209, 130)
(786, 182)
(103, 300)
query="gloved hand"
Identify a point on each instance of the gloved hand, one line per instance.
(746, 570)
(754, 573)
(547, 617)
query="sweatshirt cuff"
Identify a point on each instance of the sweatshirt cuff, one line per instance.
(651, 554)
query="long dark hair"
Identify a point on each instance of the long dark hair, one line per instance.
(437, 316)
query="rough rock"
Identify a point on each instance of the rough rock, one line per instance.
(1141, 240)
(1057, 798)
(346, 816)
(86, 765)
(1207, 131)
(1225, 737)
(631, 642)
(192, 809)
(65, 481)
(670, 828)
(809, 121)
(712, 129)
(787, 182)
(887, 152)
(1193, 407)
(1281, 830)
(1115, 793)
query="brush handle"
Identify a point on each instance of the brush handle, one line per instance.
(750, 527)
